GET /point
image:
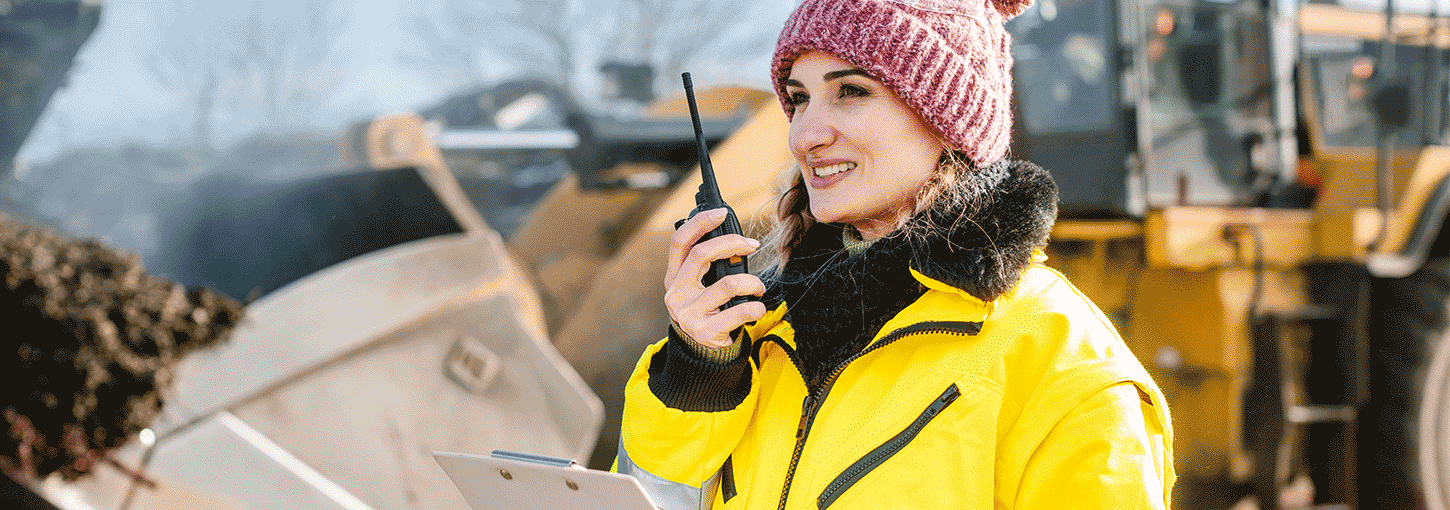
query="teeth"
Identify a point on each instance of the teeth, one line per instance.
(834, 169)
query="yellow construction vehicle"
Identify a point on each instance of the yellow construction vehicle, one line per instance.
(1255, 191)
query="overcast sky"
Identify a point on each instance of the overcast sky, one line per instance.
(112, 99)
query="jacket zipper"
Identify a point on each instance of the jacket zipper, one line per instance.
(814, 399)
(875, 457)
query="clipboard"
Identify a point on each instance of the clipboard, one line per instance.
(508, 480)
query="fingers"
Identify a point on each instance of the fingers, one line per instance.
(685, 237)
(686, 304)
(699, 314)
(696, 308)
(697, 263)
(683, 286)
(728, 287)
(716, 328)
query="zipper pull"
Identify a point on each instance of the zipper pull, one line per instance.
(807, 406)
(942, 401)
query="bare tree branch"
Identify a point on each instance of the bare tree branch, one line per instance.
(564, 38)
(441, 55)
(187, 58)
(679, 46)
(290, 64)
(278, 61)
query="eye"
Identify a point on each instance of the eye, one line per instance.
(798, 98)
(853, 90)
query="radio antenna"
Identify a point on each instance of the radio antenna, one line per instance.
(709, 194)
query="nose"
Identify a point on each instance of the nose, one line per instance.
(810, 130)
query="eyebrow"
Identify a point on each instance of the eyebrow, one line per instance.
(847, 72)
(832, 76)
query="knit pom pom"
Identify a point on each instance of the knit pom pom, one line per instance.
(1011, 8)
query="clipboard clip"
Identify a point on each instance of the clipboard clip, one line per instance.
(536, 459)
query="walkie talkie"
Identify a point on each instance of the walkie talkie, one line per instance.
(709, 198)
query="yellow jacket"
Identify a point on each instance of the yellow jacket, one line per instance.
(1027, 401)
(967, 375)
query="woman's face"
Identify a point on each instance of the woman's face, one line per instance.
(863, 152)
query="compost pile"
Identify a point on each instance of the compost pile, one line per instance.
(90, 343)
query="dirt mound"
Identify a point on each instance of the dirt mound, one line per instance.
(90, 343)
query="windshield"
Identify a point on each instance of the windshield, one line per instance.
(1063, 66)
(1209, 96)
(1343, 74)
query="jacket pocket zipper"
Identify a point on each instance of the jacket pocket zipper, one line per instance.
(875, 457)
(814, 399)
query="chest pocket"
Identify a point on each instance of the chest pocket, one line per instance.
(880, 454)
(942, 458)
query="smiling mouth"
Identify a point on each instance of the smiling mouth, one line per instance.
(829, 170)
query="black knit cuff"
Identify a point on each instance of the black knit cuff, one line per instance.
(684, 380)
(717, 355)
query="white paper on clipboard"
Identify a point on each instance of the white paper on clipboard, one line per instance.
(521, 481)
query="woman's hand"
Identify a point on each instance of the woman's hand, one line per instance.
(696, 308)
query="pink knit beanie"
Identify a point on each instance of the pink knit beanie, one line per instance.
(948, 59)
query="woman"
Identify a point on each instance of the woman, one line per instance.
(909, 349)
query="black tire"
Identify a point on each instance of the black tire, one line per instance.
(1407, 322)
(1434, 431)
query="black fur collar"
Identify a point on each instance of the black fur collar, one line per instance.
(980, 237)
(977, 237)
